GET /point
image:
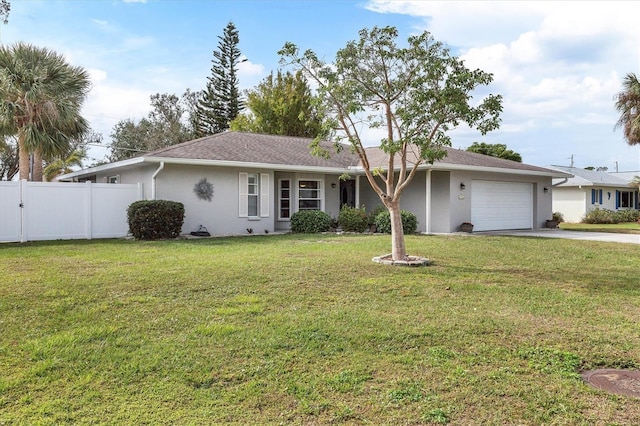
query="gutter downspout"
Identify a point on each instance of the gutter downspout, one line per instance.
(153, 180)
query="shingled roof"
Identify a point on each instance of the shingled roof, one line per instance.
(293, 153)
(257, 148)
(461, 159)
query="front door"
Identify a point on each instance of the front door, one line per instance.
(348, 193)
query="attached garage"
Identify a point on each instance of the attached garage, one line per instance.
(499, 205)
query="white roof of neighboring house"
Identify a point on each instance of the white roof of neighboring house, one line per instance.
(583, 177)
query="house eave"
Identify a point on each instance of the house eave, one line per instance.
(102, 168)
(470, 168)
(246, 165)
(200, 162)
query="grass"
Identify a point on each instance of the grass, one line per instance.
(307, 330)
(620, 228)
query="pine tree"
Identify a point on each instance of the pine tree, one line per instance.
(220, 102)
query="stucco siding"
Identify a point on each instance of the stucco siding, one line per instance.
(220, 215)
(440, 202)
(460, 199)
(571, 202)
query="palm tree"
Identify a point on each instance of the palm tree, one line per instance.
(628, 105)
(64, 164)
(40, 100)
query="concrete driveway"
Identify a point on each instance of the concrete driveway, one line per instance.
(572, 235)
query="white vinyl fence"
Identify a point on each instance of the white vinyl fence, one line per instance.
(31, 211)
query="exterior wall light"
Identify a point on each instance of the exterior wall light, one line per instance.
(462, 186)
(546, 189)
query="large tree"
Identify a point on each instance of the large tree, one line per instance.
(220, 102)
(495, 150)
(41, 97)
(414, 94)
(168, 123)
(628, 105)
(282, 105)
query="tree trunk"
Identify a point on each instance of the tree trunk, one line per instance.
(398, 249)
(37, 165)
(23, 160)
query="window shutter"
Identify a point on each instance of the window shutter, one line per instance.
(617, 199)
(593, 196)
(243, 194)
(264, 195)
(600, 195)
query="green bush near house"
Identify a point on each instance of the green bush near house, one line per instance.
(609, 216)
(310, 222)
(155, 219)
(353, 219)
(409, 222)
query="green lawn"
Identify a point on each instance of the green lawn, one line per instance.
(307, 330)
(621, 228)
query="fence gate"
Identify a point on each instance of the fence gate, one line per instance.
(31, 211)
(10, 223)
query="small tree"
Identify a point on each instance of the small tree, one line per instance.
(282, 105)
(8, 158)
(497, 150)
(220, 102)
(416, 94)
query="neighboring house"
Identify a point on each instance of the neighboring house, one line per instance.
(587, 190)
(259, 181)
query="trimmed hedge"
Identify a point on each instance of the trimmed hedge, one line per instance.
(599, 215)
(352, 219)
(155, 219)
(409, 222)
(310, 222)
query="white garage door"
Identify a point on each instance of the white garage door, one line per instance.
(501, 205)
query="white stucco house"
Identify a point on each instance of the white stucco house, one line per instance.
(259, 181)
(587, 190)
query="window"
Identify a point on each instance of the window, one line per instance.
(309, 195)
(113, 179)
(253, 195)
(625, 199)
(284, 196)
(596, 196)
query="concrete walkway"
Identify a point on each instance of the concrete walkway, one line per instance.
(572, 235)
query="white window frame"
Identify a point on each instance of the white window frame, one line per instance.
(261, 193)
(282, 198)
(302, 199)
(113, 179)
(253, 193)
(630, 199)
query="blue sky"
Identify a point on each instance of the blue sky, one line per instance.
(558, 65)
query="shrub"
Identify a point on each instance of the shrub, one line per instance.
(352, 219)
(409, 222)
(155, 219)
(310, 221)
(558, 217)
(375, 212)
(626, 216)
(609, 216)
